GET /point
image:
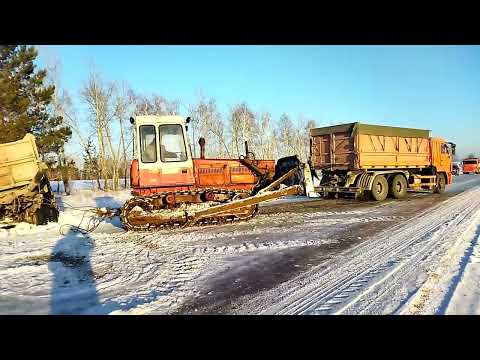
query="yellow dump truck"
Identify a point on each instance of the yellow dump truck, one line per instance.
(377, 161)
(25, 192)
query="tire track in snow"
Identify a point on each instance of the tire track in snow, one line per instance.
(369, 265)
(437, 294)
(391, 286)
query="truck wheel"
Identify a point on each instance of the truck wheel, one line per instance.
(440, 188)
(379, 188)
(398, 187)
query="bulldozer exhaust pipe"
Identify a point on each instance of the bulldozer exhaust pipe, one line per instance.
(201, 142)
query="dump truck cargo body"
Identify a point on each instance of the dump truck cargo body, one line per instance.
(25, 192)
(350, 156)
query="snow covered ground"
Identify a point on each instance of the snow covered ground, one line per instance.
(453, 288)
(424, 262)
(388, 274)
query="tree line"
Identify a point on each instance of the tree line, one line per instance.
(35, 101)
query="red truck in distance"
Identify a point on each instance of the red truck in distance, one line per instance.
(471, 166)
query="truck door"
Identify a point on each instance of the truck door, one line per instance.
(442, 156)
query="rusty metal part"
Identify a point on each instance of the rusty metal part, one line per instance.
(170, 199)
(201, 142)
(208, 196)
(237, 204)
(248, 163)
(279, 180)
(188, 198)
(107, 212)
(248, 154)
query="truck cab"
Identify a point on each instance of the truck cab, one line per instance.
(442, 157)
(471, 166)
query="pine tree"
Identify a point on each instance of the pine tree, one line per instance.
(25, 102)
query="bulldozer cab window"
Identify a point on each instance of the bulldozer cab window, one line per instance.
(148, 144)
(172, 144)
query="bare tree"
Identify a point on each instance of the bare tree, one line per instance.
(242, 127)
(156, 105)
(208, 123)
(60, 103)
(311, 124)
(301, 139)
(263, 143)
(83, 136)
(125, 102)
(98, 97)
(285, 136)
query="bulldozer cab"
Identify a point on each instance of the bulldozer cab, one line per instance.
(163, 157)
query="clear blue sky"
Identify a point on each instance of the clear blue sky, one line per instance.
(433, 87)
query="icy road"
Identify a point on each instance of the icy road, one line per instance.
(298, 256)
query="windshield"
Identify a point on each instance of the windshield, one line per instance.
(172, 144)
(469, 161)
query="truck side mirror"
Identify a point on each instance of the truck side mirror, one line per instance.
(188, 119)
(132, 120)
(453, 146)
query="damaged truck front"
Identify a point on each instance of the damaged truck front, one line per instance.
(25, 192)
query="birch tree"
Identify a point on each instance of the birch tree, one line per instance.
(97, 96)
(285, 137)
(84, 136)
(264, 140)
(125, 101)
(207, 122)
(156, 105)
(242, 126)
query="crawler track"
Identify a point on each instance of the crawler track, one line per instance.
(163, 219)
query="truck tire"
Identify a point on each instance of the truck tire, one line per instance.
(440, 188)
(398, 187)
(379, 188)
